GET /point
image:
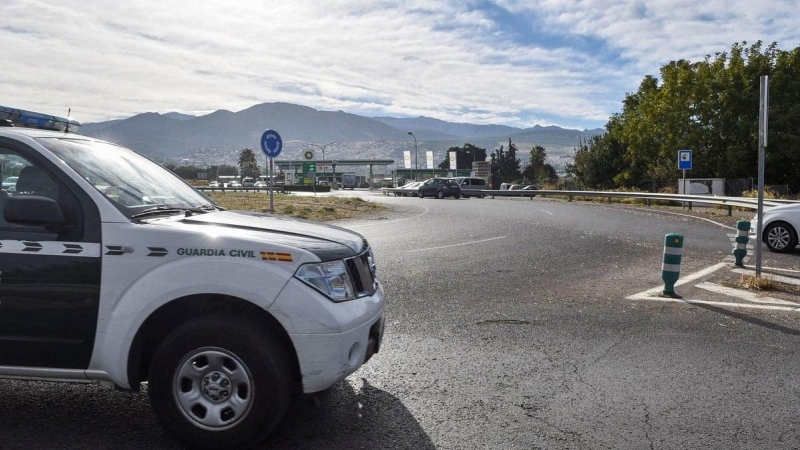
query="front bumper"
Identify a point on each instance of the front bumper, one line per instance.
(326, 359)
(331, 340)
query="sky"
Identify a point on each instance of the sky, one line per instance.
(509, 62)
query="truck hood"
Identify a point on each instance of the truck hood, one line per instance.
(327, 242)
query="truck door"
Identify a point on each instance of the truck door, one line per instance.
(49, 276)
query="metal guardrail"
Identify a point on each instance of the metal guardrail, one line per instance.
(730, 202)
(239, 189)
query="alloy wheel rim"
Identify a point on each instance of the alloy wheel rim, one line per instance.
(778, 237)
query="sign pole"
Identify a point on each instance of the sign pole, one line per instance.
(684, 187)
(271, 209)
(271, 145)
(763, 120)
(684, 164)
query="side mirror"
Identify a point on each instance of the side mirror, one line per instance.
(33, 210)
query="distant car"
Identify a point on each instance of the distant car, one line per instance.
(439, 188)
(409, 189)
(234, 184)
(471, 186)
(260, 184)
(10, 184)
(781, 224)
(531, 187)
(515, 187)
(505, 186)
(248, 182)
(215, 184)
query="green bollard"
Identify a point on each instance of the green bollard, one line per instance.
(671, 266)
(740, 251)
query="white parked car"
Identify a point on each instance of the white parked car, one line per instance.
(781, 224)
(409, 189)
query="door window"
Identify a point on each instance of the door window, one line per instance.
(22, 177)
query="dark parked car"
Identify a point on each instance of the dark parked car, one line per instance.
(439, 188)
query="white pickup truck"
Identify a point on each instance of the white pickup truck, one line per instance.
(112, 269)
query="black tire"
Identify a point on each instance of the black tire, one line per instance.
(420, 194)
(457, 196)
(440, 195)
(780, 237)
(237, 354)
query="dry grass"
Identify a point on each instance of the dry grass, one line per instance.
(302, 207)
(763, 283)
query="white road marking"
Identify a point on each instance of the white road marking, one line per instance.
(727, 304)
(456, 245)
(773, 268)
(742, 294)
(687, 279)
(693, 217)
(548, 212)
(757, 302)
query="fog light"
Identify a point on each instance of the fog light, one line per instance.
(355, 354)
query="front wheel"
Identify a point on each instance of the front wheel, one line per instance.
(219, 382)
(780, 237)
(457, 196)
(420, 194)
(440, 195)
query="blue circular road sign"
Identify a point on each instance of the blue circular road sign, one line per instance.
(271, 143)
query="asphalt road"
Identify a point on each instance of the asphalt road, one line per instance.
(508, 327)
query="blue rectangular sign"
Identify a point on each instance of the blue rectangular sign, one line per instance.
(684, 160)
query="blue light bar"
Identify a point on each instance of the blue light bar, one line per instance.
(20, 117)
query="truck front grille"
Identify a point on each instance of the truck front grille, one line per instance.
(362, 270)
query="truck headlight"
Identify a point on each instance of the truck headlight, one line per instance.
(330, 278)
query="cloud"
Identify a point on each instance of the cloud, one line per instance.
(511, 62)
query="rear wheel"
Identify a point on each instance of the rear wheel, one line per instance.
(440, 195)
(457, 196)
(780, 237)
(219, 382)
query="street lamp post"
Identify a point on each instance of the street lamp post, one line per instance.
(416, 160)
(321, 147)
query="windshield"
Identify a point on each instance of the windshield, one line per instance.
(132, 182)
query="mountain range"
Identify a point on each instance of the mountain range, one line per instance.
(219, 136)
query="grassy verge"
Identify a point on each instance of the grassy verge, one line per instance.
(301, 207)
(766, 283)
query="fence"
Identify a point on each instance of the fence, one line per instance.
(729, 202)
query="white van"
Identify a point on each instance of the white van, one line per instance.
(471, 186)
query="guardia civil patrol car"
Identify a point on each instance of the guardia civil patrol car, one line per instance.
(112, 269)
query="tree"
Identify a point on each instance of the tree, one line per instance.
(505, 164)
(710, 107)
(597, 161)
(464, 156)
(247, 164)
(537, 169)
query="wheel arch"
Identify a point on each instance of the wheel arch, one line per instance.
(169, 316)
